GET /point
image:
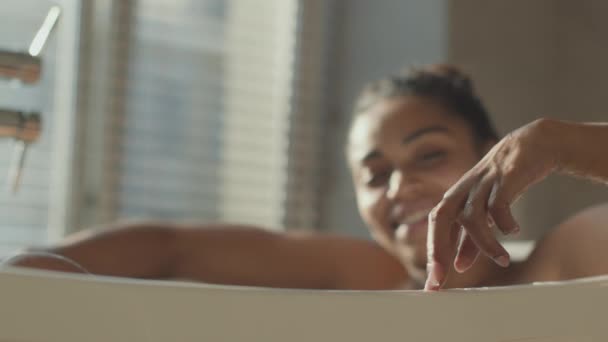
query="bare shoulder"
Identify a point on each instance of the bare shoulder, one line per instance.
(575, 248)
(363, 264)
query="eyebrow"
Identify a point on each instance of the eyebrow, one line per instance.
(417, 134)
(373, 154)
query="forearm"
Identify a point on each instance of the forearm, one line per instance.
(583, 149)
(225, 254)
(243, 255)
(132, 250)
(214, 253)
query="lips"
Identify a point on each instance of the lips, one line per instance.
(410, 219)
(416, 216)
(412, 227)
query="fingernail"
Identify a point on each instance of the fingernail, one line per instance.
(431, 283)
(461, 265)
(502, 260)
(435, 277)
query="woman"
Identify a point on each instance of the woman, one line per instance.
(414, 135)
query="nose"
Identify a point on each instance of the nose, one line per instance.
(394, 183)
(399, 185)
(404, 185)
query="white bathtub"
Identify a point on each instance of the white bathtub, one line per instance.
(38, 306)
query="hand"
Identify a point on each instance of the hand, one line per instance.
(46, 261)
(460, 225)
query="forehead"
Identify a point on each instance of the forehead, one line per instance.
(389, 121)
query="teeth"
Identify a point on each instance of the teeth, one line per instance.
(416, 217)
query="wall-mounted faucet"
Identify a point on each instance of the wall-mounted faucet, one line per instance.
(24, 67)
(24, 128)
(20, 66)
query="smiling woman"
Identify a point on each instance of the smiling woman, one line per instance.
(413, 136)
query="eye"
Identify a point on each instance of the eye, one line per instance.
(430, 158)
(378, 178)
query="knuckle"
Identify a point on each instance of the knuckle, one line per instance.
(449, 193)
(466, 218)
(508, 170)
(472, 215)
(470, 223)
(436, 213)
(541, 124)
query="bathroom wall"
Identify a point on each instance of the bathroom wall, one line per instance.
(371, 39)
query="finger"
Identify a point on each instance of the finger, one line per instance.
(474, 220)
(461, 188)
(440, 244)
(440, 259)
(499, 207)
(467, 253)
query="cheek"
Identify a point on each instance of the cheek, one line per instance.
(373, 207)
(450, 172)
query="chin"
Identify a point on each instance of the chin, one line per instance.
(414, 258)
(416, 268)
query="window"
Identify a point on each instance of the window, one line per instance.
(189, 109)
(206, 110)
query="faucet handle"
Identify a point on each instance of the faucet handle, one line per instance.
(20, 66)
(16, 167)
(25, 128)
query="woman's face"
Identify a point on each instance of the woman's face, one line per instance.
(404, 153)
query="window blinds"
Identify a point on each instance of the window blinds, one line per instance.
(212, 112)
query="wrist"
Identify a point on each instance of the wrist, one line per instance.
(550, 134)
(565, 141)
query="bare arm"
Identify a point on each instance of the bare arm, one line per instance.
(229, 255)
(583, 149)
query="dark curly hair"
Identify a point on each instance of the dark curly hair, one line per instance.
(441, 82)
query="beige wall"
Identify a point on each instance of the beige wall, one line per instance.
(371, 40)
(532, 59)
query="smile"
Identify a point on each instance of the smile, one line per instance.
(414, 221)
